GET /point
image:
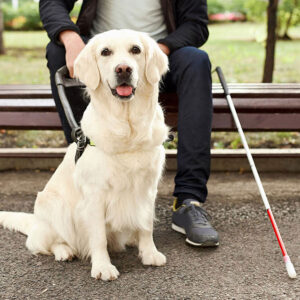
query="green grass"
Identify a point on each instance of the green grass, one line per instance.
(232, 140)
(31, 139)
(237, 47)
(24, 61)
(24, 66)
(26, 39)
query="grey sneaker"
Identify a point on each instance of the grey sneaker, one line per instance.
(192, 220)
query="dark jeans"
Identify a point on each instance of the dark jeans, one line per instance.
(190, 77)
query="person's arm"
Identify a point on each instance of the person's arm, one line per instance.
(61, 30)
(191, 20)
(55, 17)
(164, 48)
(73, 45)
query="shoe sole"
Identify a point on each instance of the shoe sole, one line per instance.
(206, 244)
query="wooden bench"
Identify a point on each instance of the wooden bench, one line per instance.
(261, 107)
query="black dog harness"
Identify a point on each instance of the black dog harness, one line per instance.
(81, 141)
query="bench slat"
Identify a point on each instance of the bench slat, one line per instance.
(250, 122)
(220, 105)
(30, 120)
(27, 105)
(261, 107)
(215, 85)
(240, 90)
(221, 121)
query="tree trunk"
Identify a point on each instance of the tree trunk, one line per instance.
(271, 41)
(2, 50)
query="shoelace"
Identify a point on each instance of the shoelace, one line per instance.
(198, 214)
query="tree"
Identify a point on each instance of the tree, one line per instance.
(271, 41)
(288, 16)
(2, 50)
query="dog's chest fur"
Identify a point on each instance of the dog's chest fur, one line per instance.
(122, 172)
(126, 184)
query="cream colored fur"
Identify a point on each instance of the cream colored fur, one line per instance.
(107, 198)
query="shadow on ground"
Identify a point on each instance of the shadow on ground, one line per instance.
(247, 265)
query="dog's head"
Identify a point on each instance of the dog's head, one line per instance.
(118, 60)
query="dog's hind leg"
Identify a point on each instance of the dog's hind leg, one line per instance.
(55, 226)
(62, 252)
(41, 238)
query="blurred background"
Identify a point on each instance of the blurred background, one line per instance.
(238, 35)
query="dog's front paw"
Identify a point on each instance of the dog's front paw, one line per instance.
(154, 258)
(105, 272)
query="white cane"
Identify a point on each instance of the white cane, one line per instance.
(289, 266)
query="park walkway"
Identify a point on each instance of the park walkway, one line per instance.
(247, 265)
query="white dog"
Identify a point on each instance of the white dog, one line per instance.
(107, 198)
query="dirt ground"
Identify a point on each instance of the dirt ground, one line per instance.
(247, 264)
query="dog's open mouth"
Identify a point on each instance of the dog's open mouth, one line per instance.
(123, 91)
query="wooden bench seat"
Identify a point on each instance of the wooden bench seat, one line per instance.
(261, 107)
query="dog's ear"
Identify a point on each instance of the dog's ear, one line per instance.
(86, 68)
(156, 60)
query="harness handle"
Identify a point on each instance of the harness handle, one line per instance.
(63, 80)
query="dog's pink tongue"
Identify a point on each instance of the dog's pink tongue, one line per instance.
(124, 90)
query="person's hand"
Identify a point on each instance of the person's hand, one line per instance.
(164, 48)
(73, 45)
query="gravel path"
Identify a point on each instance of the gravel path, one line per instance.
(247, 264)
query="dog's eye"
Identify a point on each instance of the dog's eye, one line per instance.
(106, 52)
(135, 50)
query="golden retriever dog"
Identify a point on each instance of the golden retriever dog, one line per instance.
(106, 200)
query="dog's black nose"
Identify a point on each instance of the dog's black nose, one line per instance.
(123, 71)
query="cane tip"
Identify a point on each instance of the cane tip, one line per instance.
(290, 269)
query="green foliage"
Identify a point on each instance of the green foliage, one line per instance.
(220, 6)
(215, 6)
(256, 9)
(27, 16)
(235, 6)
(8, 12)
(31, 12)
(172, 144)
(75, 11)
(236, 143)
(288, 15)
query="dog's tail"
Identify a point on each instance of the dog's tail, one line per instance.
(17, 221)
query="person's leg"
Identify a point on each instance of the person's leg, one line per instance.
(190, 73)
(56, 59)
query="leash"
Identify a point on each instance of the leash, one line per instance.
(63, 81)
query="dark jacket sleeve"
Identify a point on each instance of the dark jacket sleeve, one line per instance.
(55, 17)
(191, 25)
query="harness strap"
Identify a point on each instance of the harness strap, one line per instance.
(81, 141)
